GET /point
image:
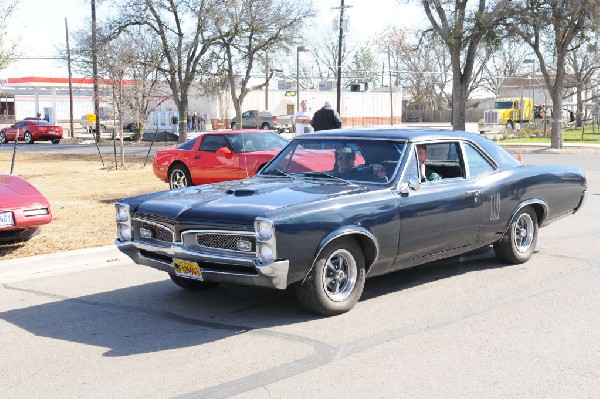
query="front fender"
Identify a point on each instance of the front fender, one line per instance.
(365, 239)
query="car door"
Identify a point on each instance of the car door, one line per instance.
(208, 166)
(439, 215)
(11, 132)
(249, 120)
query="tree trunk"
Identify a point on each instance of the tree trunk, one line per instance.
(458, 104)
(556, 136)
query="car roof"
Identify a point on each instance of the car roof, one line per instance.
(393, 133)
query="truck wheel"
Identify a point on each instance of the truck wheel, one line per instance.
(179, 177)
(510, 127)
(191, 284)
(518, 243)
(336, 281)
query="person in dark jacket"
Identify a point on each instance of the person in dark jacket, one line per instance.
(326, 118)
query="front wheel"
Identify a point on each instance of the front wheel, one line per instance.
(233, 124)
(28, 138)
(179, 177)
(518, 243)
(55, 141)
(191, 284)
(266, 126)
(510, 127)
(336, 281)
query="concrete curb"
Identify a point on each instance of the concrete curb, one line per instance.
(57, 263)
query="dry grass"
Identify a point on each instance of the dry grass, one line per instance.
(82, 193)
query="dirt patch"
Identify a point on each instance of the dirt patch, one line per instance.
(82, 193)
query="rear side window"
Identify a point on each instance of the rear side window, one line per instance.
(212, 142)
(478, 164)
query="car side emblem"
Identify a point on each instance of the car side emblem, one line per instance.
(145, 233)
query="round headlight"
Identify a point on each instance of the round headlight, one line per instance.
(124, 232)
(265, 252)
(122, 212)
(264, 229)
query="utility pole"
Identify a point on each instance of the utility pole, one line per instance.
(71, 125)
(339, 57)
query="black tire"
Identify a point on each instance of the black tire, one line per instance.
(518, 243)
(3, 139)
(265, 126)
(233, 124)
(55, 141)
(28, 138)
(336, 281)
(179, 177)
(191, 284)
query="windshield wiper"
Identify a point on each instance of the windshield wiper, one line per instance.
(326, 175)
(276, 172)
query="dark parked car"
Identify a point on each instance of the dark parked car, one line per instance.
(216, 156)
(32, 130)
(337, 206)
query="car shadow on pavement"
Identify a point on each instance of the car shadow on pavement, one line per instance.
(158, 316)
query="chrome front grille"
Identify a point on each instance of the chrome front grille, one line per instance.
(152, 231)
(218, 241)
(490, 116)
(225, 241)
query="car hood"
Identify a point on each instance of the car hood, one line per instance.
(238, 202)
(16, 192)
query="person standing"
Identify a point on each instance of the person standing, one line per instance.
(303, 118)
(195, 122)
(189, 122)
(174, 123)
(326, 118)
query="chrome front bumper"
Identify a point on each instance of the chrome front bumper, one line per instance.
(271, 275)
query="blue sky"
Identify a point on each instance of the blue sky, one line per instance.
(39, 26)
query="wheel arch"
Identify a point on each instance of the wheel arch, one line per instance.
(365, 239)
(539, 206)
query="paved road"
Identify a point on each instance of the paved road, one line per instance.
(463, 328)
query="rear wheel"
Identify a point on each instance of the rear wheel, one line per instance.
(28, 138)
(3, 138)
(191, 284)
(55, 141)
(519, 241)
(336, 281)
(179, 177)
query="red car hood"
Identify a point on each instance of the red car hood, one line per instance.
(17, 192)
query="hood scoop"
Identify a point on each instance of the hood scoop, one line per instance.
(241, 192)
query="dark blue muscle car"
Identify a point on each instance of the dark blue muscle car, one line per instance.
(335, 207)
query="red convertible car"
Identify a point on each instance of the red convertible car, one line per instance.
(22, 209)
(217, 156)
(30, 131)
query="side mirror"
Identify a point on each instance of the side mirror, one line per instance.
(225, 152)
(411, 185)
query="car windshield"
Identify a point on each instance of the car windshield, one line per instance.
(42, 123)
(370, 161)
(256, 141)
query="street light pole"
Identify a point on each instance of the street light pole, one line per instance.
(298, 50)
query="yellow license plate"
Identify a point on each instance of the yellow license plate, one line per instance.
(187, 268)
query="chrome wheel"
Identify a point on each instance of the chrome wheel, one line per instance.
(179, 178)
(28, 138)
(523, 233)
(3, 138)
(339, 277)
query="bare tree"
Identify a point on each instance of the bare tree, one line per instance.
(248, 29)
(462, 29)
(8, 49)
(585, 66)
(506, 60)
(186, 31)
(556, 27)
